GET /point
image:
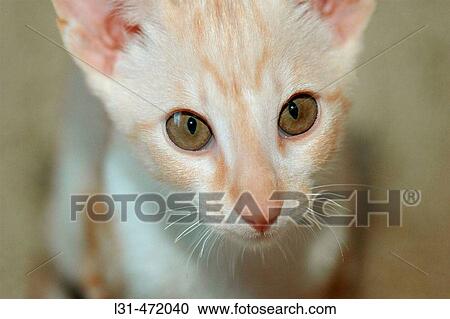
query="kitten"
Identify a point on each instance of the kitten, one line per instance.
(210, 96)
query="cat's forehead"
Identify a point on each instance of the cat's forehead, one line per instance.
(232, 31)
(238, 43)
(207, 19)
(234, 28)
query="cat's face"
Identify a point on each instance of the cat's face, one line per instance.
(223, 96)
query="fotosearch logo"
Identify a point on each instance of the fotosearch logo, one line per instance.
(335, 206)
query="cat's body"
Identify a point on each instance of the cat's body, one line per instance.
(236, 63)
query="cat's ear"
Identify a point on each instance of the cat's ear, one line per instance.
(95, 31)
(347, 18)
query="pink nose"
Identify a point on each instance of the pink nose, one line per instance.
(261, 223)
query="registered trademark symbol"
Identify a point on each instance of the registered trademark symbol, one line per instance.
(411, 197)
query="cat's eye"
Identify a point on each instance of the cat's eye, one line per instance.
(188, 131)
(298, 115)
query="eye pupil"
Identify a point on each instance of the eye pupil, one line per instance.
(192, 125)
(293, 110)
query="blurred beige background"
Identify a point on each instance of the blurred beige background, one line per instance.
(399, 131)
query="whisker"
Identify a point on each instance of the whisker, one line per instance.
(261, 252)
(311, 230)
(338, 242)
(332, 231)
(331, 201)
(233, 263)
(331, 211)
(204, 243)
(221, 241)
(211, 248)
(312, 219)
(326, 193)
(338, 185)
(281, 250)
(188, 230)
(198, 242)
(243, 253)
(178, 220)
(317, 216)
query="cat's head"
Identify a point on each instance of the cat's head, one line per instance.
(222, 95)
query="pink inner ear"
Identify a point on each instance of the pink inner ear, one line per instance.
(347, 17)
(99, 33)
